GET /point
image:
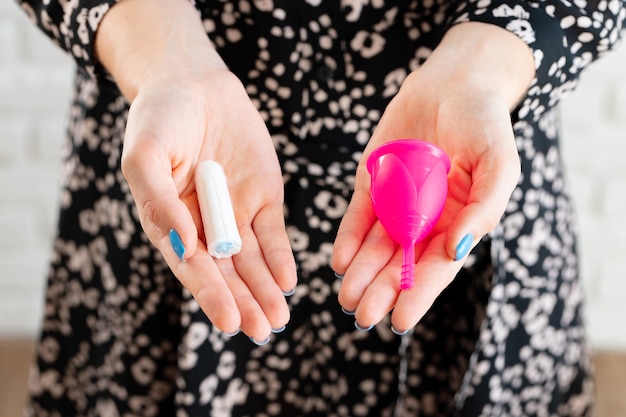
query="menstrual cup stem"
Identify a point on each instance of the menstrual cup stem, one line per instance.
(408, 267)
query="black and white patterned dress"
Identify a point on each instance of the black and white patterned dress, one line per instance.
(120, 337)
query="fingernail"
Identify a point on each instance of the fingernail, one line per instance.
(279, 330)
(260, 343)
(338, 275)
(289, 293)
(177, 244)
(464, 246)
(361, 328)
(398, 332)
(236, 332)
(348, 312)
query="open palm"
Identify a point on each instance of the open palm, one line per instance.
(171, 128)
(472, 125)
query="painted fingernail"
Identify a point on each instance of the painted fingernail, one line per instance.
(260, 343)
(398, 332)
(177, 244)
(338, 275)
(361, 328)
(464, 246)
(279, 330)
(348, 312)
(289, 293)
(235, 333)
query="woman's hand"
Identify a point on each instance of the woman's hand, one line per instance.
(460, 100)
(171, 127)
(186, 108)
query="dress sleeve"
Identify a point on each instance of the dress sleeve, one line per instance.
(70, 24)
(564, 35)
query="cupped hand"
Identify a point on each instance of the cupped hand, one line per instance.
(472, 125)
(176, 122)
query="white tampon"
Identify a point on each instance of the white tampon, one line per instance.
(218, 217)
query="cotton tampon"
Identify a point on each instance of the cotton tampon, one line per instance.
(218, 217)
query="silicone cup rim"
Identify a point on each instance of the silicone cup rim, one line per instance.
(419, 144)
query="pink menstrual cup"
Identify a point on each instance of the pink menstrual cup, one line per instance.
(409, 186)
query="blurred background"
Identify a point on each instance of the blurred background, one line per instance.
(35, 80)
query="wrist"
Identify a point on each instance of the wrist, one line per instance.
(484, 56)
(142, 42)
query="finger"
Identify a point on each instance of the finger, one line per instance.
(381, 295)
(433, 273)
(269, 228)
(251, 266)
(149, 176)
(254, 322)
(375, 252)
(354, 227)
(491, 186)
(202, 277)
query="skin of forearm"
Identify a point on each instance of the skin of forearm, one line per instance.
(482, 54)
(143, 42)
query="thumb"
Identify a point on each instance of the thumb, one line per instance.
(490, 186)
(164, 217)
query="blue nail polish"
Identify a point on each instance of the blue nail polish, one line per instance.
(279, 330)
(348, 312)
(398, 332)
(262, 342)
(289, 293)
(235, 333)
(464, 246)
(338, 275)
(361, 328)
(177, 244)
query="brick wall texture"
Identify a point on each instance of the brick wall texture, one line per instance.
(35, 79)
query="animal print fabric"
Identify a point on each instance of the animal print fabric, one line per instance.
(120, 337)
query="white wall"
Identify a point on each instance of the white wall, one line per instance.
(594, 146)
(35, 80)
